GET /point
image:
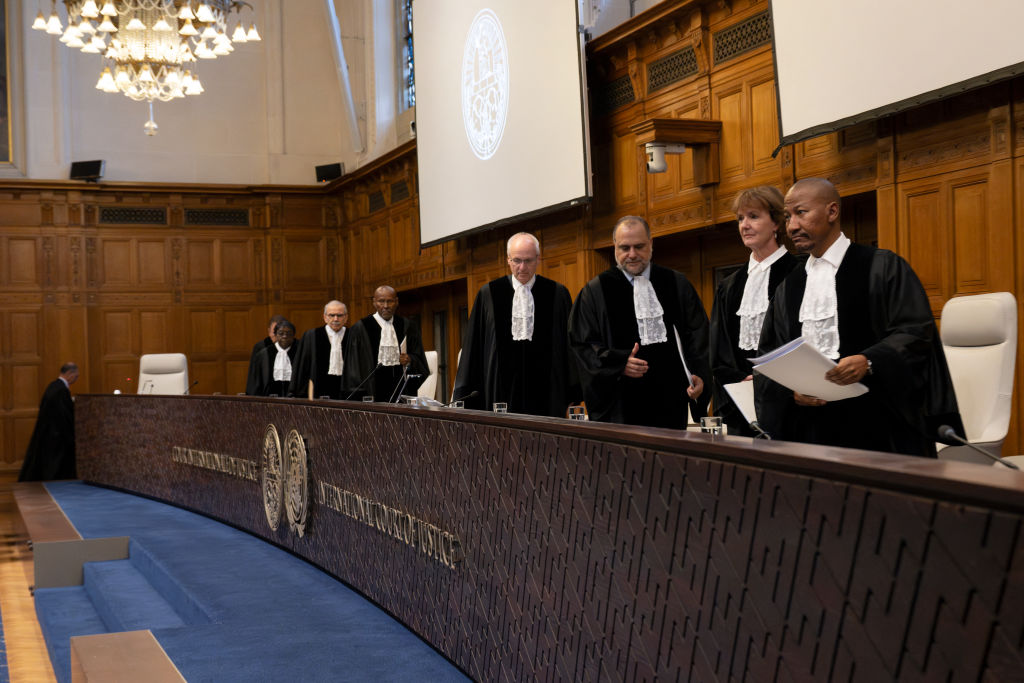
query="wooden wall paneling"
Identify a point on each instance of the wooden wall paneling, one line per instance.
(305, 262)
(924, 238)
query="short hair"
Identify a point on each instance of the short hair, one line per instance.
(275, 319)
(768, 197)
(334, 302)
(285, 325)
(68, 367)
(823, 188)
(631, 219)
(536, 242)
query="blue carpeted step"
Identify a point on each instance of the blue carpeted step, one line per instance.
(168, 585)
(62, 613)
(124, 599)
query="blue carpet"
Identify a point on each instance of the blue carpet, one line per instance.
(250, 611)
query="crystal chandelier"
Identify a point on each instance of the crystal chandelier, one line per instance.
(150, 48)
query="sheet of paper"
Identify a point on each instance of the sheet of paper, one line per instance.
(801, 367)
(742, 394)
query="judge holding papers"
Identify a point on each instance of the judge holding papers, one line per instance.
(864, 308)
(640, 337)
(517, 350)
(741, 300)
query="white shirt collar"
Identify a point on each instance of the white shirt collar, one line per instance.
(64, 380)
(331, 333)
(767, 263)
(516, 284)
(646, 273)
(381, 321)
(833, 255)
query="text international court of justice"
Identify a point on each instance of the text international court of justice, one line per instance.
(493, 340)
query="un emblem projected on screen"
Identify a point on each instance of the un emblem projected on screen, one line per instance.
(485, 84)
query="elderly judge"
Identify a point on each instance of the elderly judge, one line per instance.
(319, 366)
(516, 349)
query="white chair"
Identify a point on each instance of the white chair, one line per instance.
(429, 386)
(163, 373)
(979, 335)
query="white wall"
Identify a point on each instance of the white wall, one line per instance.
(270, 113)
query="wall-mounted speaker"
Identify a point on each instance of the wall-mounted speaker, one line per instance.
(329, 172)
(89, 171)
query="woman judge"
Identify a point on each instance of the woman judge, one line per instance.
(742, 299)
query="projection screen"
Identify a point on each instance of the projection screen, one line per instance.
(839, 62)
(500, 116)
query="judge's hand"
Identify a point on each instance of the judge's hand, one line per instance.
(697, 389)
(848, 370)
(403, 358)
(635, 367)
(748, 378)
(804, 400)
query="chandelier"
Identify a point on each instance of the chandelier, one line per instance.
(150, 48)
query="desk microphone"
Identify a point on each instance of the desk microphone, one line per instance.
(365, 380)
(761, 434)
(396, 396)
(472, 394)
(947, 432)
(188, 391)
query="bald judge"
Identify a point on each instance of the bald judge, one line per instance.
(516, 350)
(864, 308)
(386, 349)
(640, 336)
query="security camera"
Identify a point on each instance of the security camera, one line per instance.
(656, 152)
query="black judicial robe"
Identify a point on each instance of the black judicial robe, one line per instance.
(250, 382)
(535, 377)
(884, 314)
(265, 384)
(311, 362)
(51, 451)
(729, 362)
(362, 359)
(602, 332)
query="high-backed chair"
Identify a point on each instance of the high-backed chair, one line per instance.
(979, 336)
(429, 386)
(163, 373)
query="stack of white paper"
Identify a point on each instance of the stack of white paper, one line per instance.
(801, 367)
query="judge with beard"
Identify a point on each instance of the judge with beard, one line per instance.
(865, 308)
(640, 336)
(319, 365)
(517, 350)
(386, 349)
(741, 300)
(274, 363)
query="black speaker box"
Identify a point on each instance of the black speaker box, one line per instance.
(90, 171)
(329, 172)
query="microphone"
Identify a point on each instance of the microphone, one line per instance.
(365, 380)
(947, 432)
(189, 390)
(472, 394)
(761, 434)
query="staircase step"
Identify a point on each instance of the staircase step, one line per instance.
(125, 600)
(166, 582)
(63, 613)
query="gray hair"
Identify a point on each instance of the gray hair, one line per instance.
(631, 219)
(333, 302)
(536, 242)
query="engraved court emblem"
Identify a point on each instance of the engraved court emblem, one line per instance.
(485, 79)
(296, 482)
(272, 476)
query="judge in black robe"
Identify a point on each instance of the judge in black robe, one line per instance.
(624, 381)
(362, 370)
(533, 376)
(250, 382)
(311, 376)
(51, 450)
(759, 213)
(265, 384)
(887, 340)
